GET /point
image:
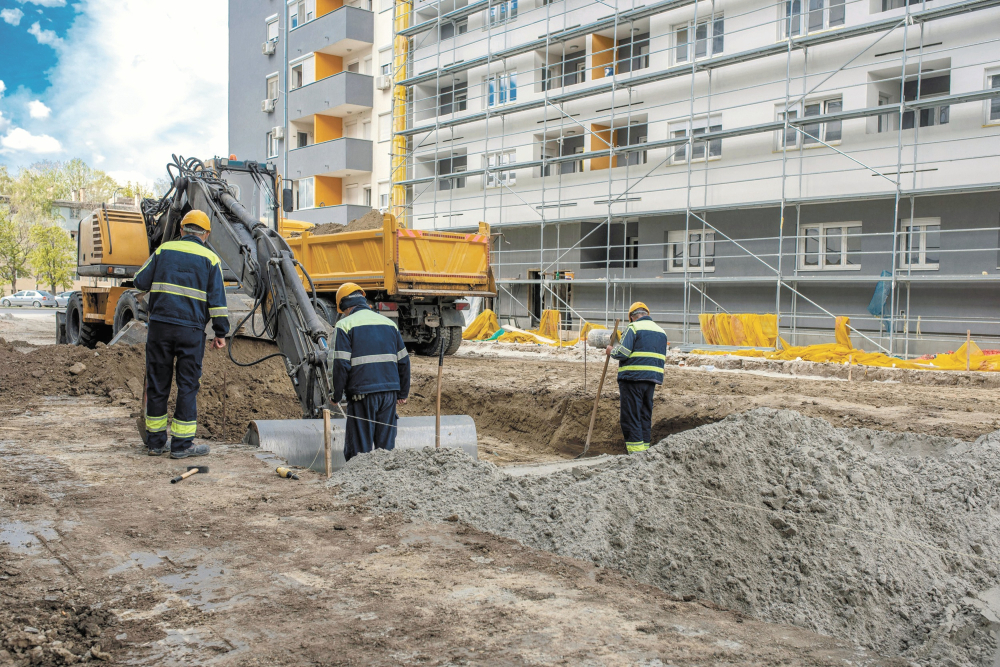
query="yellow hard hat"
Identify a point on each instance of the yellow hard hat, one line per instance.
(196, 219)
(346, 290)
(636, 306)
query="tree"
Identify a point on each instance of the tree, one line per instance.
(15, 245)
(53, 256)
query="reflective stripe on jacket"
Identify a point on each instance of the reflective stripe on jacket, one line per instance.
(369, 356)
(641, 352)
(184, 281)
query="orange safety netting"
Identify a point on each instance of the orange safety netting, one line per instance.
(843, 352)
(743, 329)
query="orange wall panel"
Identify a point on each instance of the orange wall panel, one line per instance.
(328, 191)
(600, 139)
(602, 50)
(324, 7)
(328, 128)
(327, 65)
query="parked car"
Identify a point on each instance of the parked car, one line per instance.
(62, 299)
(29, 297)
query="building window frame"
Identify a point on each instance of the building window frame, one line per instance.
(272, 86)
(712, 149)
(305, 193)
(802, 17)
(269, 23)
(829, 246)
(453, 98)
(699, 251)
(830, 132)
(705, 45)
(500, 88)
(926, 233)
(992, 108)
(452, 165)
(271, 145)
(499, 14)
(453, 29)
(498, 179)
(300, 12)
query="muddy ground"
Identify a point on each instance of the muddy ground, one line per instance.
(101, 557)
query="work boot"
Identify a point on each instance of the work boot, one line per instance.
(193, 450)
(156, 451)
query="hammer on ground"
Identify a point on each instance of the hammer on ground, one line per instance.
(190, 471)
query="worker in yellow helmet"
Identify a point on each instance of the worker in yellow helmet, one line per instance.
(372, 369)
(186, 291)
(641, 354)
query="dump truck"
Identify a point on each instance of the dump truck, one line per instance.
(419, 278)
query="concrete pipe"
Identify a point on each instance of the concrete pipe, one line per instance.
(300, 441)
(600, 338)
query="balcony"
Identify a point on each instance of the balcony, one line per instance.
(338, 33)
(341, 214)
(335, 95)
(337, 158)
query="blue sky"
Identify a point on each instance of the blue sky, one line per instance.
(86, 79)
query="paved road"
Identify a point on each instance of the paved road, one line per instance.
(27, 310)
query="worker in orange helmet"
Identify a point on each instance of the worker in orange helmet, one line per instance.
(641, 354)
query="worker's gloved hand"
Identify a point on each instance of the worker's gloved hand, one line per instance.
(608, 350)
(218, 343)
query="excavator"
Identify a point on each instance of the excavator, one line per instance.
(260, 262)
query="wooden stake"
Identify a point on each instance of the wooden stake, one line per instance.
(968, 347)
(225, 392)
(437, 411)
(600, 387)
(327, 448)
(585, 343)
(850, 366)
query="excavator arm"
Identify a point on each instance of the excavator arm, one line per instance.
(261, 261)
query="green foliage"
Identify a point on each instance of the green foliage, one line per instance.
(15, 246)
(53, 256)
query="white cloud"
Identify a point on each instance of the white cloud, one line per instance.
(11, 16)
(47, 37)
(45, 3)
(3, 87)
(19, 140)
(134, 95)
(38, 110)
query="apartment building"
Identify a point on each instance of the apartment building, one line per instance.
(821, 157)
(306, 87)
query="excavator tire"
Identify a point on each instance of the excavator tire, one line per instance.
(83, 333)
(127, 309)
(327, 310)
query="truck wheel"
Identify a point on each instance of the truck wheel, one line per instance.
(327, 310)
(432, 348)
(127, 309)
(79, 332)
(455, 342)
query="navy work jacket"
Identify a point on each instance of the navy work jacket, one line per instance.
(184, 281)
(369, 356)
(641, 352)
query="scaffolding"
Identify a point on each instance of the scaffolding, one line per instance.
(619, 75)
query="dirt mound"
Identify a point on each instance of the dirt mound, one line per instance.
(258, 392)
(778, 515)
(370, 220)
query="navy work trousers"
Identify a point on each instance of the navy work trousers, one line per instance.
(169, 346)
(636, 413)
(371, 423)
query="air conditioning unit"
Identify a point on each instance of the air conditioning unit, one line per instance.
(278, 132)
(267, 106)
(268, 47)
(383, 82)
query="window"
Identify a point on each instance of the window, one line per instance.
(501, 12)
(804, 16)
(303, 72)
(712, 148)
(569, 71)
(366, 66)
(366, 129)
(271, 29)
(633, 53)
(301, 11)
(830, 246)
(920, 244)
(993, 106)
(699, 250)
(632, 246)
(633, 135)
(354, 67)
(302, 139)
(303, 193)
(271, 145)
(453, 98)
(884, 120)
(272, 87)
(383, 194)
(451, 165)
(385, 126)
(501, 88)
(562, 147)
(496, 179)
(451, 28)
(385, 61)
(709, 39)
(896, 4)
(812, 133)
(929, 88)
(366, 196)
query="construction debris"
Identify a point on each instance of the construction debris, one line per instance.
(370, 220)
(886, 539)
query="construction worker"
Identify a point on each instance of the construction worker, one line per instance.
(184, 281)
(371, 367)
(641, 353)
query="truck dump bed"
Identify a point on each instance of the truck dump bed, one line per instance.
(398, 261)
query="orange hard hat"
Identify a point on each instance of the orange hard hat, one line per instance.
(637, 306)
(196, 218)
(346, 290)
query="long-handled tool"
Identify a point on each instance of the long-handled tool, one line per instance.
(600, 387)
(192, 470)
(437, 412)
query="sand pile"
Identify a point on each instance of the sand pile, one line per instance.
(370, 220)
(888, 540)
(116, 372)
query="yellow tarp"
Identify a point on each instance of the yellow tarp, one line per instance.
(743, 329)
(841, 352)
(547, 333)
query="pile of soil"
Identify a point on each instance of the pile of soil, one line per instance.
(370, 220)
(257, 392)
(55, 632)
(884, 539)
